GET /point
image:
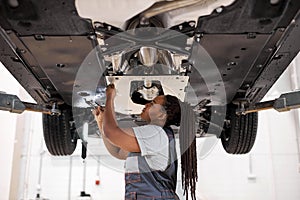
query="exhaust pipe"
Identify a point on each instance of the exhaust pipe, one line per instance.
(148, 56)
(165, 6)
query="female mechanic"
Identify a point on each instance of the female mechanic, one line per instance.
(149, 150)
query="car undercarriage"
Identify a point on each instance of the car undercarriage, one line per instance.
(218, 56)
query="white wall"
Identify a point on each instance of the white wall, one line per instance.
(273, 174)
(275, 163)
(55, 174)
(7, 134)
(9, 137)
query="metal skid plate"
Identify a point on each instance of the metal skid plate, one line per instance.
(173, 85)
(11, 103)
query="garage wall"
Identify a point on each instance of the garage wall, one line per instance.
(271, 171)
(13, 137)
(7, 134)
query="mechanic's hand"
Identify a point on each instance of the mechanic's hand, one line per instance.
(110, 91)
(98, 114)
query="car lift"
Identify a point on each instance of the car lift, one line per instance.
(13, 104)
(285, 102)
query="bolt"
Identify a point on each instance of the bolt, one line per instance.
(98, 24)
(92, 37)
(100, 35)
(274, 2)
(198, 36)
(219, 9)
(192, 24)
(277, 57)
(231, 63)
(39, 37)
(15, 59)
(293, 21)
(251, 36)
(60, 65)
(22, 51)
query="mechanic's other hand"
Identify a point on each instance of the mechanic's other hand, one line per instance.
(110, 91)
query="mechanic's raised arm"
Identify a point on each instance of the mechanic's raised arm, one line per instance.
(115, 151)
(123, 138)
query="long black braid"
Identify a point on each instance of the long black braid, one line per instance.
(179, 113)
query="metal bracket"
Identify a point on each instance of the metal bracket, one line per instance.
(135, 41)
(284, 103)
(241, 103)
(11, 103)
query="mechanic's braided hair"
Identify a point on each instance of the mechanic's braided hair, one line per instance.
(179, 113)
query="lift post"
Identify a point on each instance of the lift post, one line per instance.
(285, 102)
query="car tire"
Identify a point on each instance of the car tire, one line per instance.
(60, 133)
(239, 136)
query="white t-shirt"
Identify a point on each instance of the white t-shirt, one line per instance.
(154, 145)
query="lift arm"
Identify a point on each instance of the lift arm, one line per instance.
(284, 103)
(13, 104)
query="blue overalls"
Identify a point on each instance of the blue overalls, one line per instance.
(154, 185)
